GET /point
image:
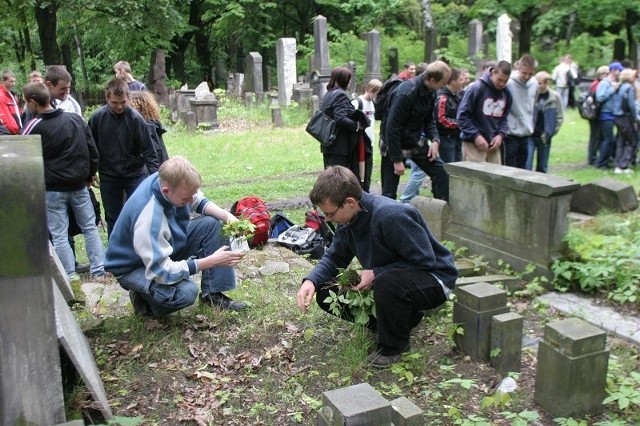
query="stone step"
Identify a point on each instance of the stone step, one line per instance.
(470, 267)
(510, 283)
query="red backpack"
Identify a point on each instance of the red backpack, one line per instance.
(257, 212)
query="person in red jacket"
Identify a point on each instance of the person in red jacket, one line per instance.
(9, 106)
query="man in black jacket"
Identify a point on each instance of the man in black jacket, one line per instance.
(127, 152)
(70, 163)
(411, 115)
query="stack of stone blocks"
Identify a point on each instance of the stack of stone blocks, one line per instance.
(361, 404)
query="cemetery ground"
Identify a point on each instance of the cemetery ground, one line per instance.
(270, 364)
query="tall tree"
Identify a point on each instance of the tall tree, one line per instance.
(46, 12)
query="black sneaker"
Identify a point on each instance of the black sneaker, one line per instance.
(140, 306)
(81, 268)
(222, 301)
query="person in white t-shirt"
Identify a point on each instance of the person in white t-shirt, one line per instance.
(364, 102)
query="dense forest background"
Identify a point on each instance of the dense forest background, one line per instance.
(206, 39)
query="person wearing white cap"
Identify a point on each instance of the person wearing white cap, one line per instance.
(605, 94)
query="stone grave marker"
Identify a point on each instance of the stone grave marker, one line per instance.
(604, 194)
(253, 77)
(506, 342)
(474, 50)
(504, 39)
(286, 64)
(372, 69)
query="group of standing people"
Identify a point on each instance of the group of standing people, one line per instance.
(614, 137)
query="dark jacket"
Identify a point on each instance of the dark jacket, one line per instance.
(157, 130)
(68, 150)
(445, 112)
(483, 111)
(383, 236)
(124, 142)
(410, 113)
(336, 104)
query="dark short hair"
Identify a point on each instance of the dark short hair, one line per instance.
(37, 92)
(335, 184)
(116, 87)
(340, 77)
(503, 66)
(528, 61)
(408, 64)
(421, 67)
(55, 73)
(455, 74)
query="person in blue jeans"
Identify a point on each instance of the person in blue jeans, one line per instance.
(605, 96)
(548, 117)
(155, 246)
(416, 178)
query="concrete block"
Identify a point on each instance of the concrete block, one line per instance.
(506, 335)
(360, 404)
(406, 413)
(482, 296)
(476, 339)
(435, 212)
(510, 283)
(604, 194)
(470, 267)
(571, 375)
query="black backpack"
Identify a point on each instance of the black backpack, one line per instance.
(382, 102)
(588, 107)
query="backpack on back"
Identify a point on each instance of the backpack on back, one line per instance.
(382, 102)
(257, 212)
(588, 107)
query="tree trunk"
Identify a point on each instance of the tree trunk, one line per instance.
(572, 21)
(81, 56)
(527, 18)
(67, 61)
(631, 17)
(430, 39)
(46, 18)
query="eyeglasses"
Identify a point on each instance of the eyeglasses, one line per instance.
(329, 216)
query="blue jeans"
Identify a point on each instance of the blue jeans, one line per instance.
(416, 177)
(607, 143)
(204, 237)
(114, 192)
(542, 163)
(450, 149)
(58, 204)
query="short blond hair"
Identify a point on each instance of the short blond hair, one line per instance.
(123, 66)
(627, 75)
(178, 172)
(373, 86)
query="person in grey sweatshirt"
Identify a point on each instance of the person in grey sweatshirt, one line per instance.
(520, 121)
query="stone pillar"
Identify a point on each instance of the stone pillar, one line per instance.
(30, 376)
(253, 75)
(354, 405)
(503, 38)
(430, 44)
(406, 413)
(503, 213)
(394, 65)
(506, 342)
(206, 110)
(372, 67)
(571, 376)
(474, 309)
(474, 51)
(276, 117)
(286, 56)
(321, 61)
(315, 104)
(352, 84)
(239, 83)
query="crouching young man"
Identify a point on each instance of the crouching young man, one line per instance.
(155, 246)
(404, 265)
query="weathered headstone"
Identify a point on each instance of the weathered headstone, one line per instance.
(239, 84)
(191, 121)
(508, 214)
(406, 413)
(182, 99)
(30, 377)
(504, 39)
(253, 75)
(286, 57)
(302, 93)
(158, 76)
(352, 84)
(508, 282)
(59, 276)
(474, 51)
(430, 44)
(435, 212)
(506, 342)
(321, 69)
(394, 61)
(372, 68)
(604, 194)
(474, 308)
(276, 117)
(354, 405)
(571, 375)
(315, 104)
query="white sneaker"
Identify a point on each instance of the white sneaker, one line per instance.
(618, 171)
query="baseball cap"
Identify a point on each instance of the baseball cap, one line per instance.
(615, 66)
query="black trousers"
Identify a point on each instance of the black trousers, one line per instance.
(594, 141)
(351, 162)
(400, 296)
(516, 151)
(434, 169)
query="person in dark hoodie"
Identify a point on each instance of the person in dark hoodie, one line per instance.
(482, 115)
(405, 266)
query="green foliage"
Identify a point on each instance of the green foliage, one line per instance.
(239, 228)
(600, 262)
(360, 304)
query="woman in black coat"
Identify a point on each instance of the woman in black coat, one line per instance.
(336, 104)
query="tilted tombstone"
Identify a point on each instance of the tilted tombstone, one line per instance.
(372, 67)
(286, 57)
(253, 75)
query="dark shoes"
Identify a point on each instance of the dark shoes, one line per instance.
(378, 360)
(222, 301)
(81, 268)
(140, 306)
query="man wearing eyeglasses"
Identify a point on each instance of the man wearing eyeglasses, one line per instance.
(404, 265)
